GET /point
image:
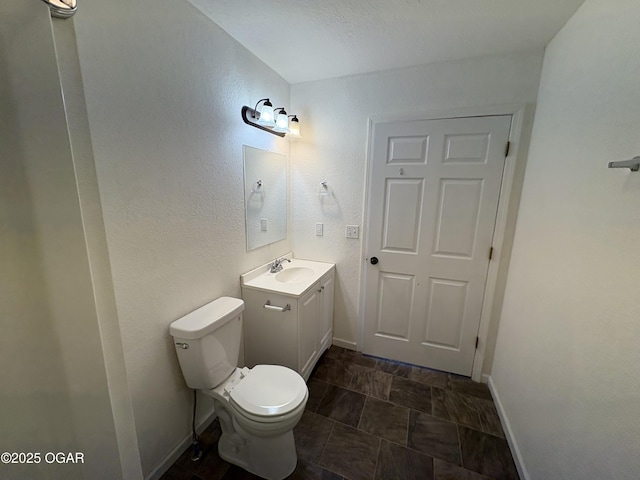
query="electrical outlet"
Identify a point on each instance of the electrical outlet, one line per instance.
(264, 224)
(319, 229)
(352, 231)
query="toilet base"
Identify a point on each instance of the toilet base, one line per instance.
(267, 458)
(272, 458)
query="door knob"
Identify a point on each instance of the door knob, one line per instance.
(374, 260)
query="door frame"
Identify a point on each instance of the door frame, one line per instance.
(510, 190)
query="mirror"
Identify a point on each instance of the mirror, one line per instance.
(265, 196)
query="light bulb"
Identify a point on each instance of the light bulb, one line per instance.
(266, 115)
(294, 128)
(282, 122)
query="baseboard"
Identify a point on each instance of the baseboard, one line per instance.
(180, 448)
(511, 440)
(339, 342)
(485, 378)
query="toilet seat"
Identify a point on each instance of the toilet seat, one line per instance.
(266, 393)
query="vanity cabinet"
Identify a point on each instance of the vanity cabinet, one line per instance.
(289, 330)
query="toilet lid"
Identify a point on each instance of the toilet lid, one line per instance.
(269, 390)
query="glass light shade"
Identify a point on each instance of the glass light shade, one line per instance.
(282, 122)
(294, 128)
(266, 115)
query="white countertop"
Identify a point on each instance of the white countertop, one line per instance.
(294, 279)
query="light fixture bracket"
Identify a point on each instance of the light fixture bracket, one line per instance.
(249, 113)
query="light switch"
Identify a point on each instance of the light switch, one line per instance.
(264, 224)
(319, 229)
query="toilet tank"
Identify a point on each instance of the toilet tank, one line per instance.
(208, 341)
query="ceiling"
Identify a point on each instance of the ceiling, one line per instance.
(306, 40)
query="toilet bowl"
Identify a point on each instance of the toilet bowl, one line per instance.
(258, 407)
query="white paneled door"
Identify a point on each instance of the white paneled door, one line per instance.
(433, 198)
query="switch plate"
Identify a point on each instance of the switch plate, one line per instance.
(352, 231)
(319, 229)
(264, 224)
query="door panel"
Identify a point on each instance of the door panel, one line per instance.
(433, 199)
(395, 295)
(404, 150)
(447, 299)
(403, 200)
(457, 223)
(466, 148)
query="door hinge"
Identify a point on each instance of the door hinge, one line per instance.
(490, 253)
(506, 149)
(477, 340)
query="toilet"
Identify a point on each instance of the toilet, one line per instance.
(257, 407)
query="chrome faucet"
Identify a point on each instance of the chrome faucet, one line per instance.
(276, 266)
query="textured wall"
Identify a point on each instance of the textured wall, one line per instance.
(334, 147)
(57, 395)
(36, 411)
(164, 87)
(566, 361)
(96, 246)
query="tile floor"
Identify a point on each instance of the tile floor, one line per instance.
(374, 419)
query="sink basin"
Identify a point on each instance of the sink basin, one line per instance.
(295, 275)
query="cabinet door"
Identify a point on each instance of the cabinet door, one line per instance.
(326, 311)
(308, 333)
(270, 336)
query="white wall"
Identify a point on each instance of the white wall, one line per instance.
(567, 356)
(55, 394)
(334, 117)
(36, 408)
(101, 280)
(164, 87)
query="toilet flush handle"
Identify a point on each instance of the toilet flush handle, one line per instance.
(183, 346)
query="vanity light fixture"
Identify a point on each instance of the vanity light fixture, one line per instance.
(294, 127)
(266, 120)
(282, 121)
(265, 117)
